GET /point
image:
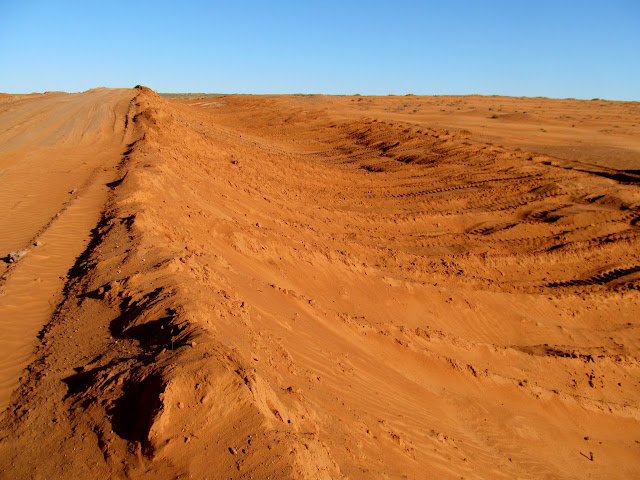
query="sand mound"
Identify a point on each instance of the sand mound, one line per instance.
(278, 290)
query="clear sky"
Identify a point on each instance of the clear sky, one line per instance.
(581, 49)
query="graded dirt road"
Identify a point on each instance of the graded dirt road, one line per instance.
(350, 287)
(57, 153)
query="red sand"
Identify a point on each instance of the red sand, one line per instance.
(329, 287)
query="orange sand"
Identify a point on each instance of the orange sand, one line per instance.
(326, 287)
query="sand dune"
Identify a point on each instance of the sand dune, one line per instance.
(327, 287)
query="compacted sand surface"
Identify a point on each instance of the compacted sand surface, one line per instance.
(57, 152)
(323, 287)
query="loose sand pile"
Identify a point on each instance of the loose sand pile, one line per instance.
(332, 287)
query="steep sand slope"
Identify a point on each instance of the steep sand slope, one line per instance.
(282, 288)
(57, 152)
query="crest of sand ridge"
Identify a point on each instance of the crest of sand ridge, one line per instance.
(293, 289)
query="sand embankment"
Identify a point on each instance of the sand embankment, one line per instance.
(287, 287)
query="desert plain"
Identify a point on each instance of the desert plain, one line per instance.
(318, 287)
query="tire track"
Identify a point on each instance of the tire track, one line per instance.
(600, 279)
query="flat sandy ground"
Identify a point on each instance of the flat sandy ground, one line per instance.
(319, 287)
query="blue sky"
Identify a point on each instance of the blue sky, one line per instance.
(580, 49)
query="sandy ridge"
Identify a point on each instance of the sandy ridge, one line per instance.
(129, 393)
(287, 295)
